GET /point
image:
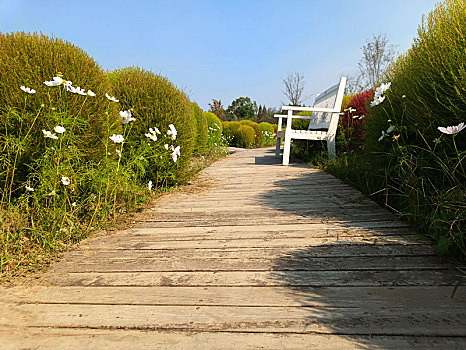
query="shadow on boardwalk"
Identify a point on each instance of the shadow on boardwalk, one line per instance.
(363, 275)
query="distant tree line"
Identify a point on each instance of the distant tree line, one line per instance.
(243, 108)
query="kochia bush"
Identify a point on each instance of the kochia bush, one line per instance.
(268, 134)
(257, 130)
(156, 103)
(215, 128)
(29, 60)
(245, 136)
(201, 128)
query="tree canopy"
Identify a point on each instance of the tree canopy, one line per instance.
(242, 108)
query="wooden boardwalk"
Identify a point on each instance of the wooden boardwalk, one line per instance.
(268, 257)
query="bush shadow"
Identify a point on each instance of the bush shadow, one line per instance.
(356, 269)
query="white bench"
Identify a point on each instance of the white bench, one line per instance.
(323, 121)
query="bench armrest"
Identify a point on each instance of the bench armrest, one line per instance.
(309, 109)
(294, 117)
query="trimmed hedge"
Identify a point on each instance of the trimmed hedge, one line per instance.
(229, 131)
(215, 128)
(257, 130)
(202, 134)
(268, 132)
(245, 136)
(156, 102)
(29, 60)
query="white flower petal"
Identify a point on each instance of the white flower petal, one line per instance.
(59, 129)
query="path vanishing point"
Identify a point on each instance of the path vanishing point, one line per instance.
(267, 257)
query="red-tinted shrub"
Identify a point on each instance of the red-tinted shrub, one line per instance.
(352, 122)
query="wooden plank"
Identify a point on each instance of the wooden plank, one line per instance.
(348, 297)
(326, 251)
(289, 242)
(152, 235)
(143, 229)
(275, 278)
(320, 320)
(247, 264)
(117, 339)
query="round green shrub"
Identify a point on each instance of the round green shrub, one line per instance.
(266, 127)
(245, 136)
(257, 130)
(29, 60)
(229, 129)
(215, 128)
(267, 134)
(201, 127)
(156, 103)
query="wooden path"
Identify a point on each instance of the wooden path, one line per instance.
(269, 257)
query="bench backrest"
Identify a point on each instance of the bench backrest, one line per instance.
(330, 98)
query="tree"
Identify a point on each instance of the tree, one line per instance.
(353, 84)
(242, 108)
(377, 55)
(294, 87)
(217, 109)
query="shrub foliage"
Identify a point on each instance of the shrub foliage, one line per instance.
(156, 103)
(202, 134)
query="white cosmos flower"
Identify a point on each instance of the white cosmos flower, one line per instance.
(73, 204)
(90, 93)
(28, 90)
(172, 132)
(117, 138)
(125, 117)
(152, 134)
(52, 83)
(28, 188)
(111, 98)
(77, 90)
(378, 98)
(65, 180)
(49, 134)
(166, 146)
(149, 185)
(53, 193)
(59, 129)
(451, 130)
(176, 152)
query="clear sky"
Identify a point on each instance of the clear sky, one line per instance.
(224, 49)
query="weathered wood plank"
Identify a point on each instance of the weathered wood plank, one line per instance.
(326, 251)
(348, 297)
(289, 242)
(320, 320)
(118, 339)
(261, 278)
(248, 264)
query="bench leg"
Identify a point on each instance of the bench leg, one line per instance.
(277, 147)
(331, 149)
(286, 149)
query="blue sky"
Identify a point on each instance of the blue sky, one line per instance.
(224, 49)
